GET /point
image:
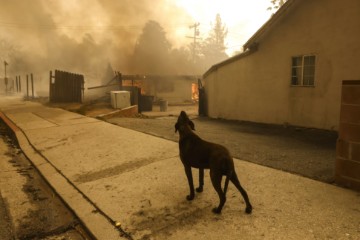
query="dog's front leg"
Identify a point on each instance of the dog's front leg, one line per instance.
(201, 180)
(191, 184)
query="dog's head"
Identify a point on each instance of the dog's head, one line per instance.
(184, 122)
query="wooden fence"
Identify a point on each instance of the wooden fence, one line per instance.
(66, 87)
(29, 85)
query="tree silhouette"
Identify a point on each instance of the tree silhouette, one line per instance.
(152, 50)
(276, 4)
(213, 48)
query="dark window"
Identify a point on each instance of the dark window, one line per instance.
(303, 70)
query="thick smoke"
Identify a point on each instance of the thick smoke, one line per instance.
(82, 36)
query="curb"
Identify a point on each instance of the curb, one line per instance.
(97, 224)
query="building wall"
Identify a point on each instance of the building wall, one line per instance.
(257, 87)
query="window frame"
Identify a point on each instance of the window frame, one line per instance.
(306, 76)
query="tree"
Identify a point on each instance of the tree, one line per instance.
(276, 4)
(152, 50)
(182, 62)
(213, 48)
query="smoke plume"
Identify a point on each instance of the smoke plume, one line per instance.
(82, 36)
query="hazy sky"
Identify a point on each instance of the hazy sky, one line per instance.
(47, 28)
(242, 17)
(107, 18)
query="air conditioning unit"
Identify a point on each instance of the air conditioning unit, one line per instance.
(120, 99)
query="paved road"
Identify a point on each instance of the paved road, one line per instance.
(304, 151)
(112, 176)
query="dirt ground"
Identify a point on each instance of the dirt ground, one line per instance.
(304, 151)
(29, 209)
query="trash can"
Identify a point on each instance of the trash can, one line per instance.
(146, 102)
(163, 105)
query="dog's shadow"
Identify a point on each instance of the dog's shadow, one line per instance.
(166, 219)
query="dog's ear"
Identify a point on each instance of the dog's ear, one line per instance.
(183, 114)
(192, 125)
(176, 127)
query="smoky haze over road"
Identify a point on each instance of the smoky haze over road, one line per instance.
(78, 36)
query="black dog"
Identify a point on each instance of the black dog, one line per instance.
(197, 153)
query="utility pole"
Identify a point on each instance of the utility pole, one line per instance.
(195, 37)
(6, 81)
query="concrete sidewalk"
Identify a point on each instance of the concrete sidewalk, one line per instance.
(111, 176)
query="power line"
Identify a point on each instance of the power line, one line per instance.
(195, 37)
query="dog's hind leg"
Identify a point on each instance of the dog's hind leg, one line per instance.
(201, 180)
(234, 179)
(216, 181)
(191, 184)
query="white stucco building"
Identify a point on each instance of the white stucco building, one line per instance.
(292, 68)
